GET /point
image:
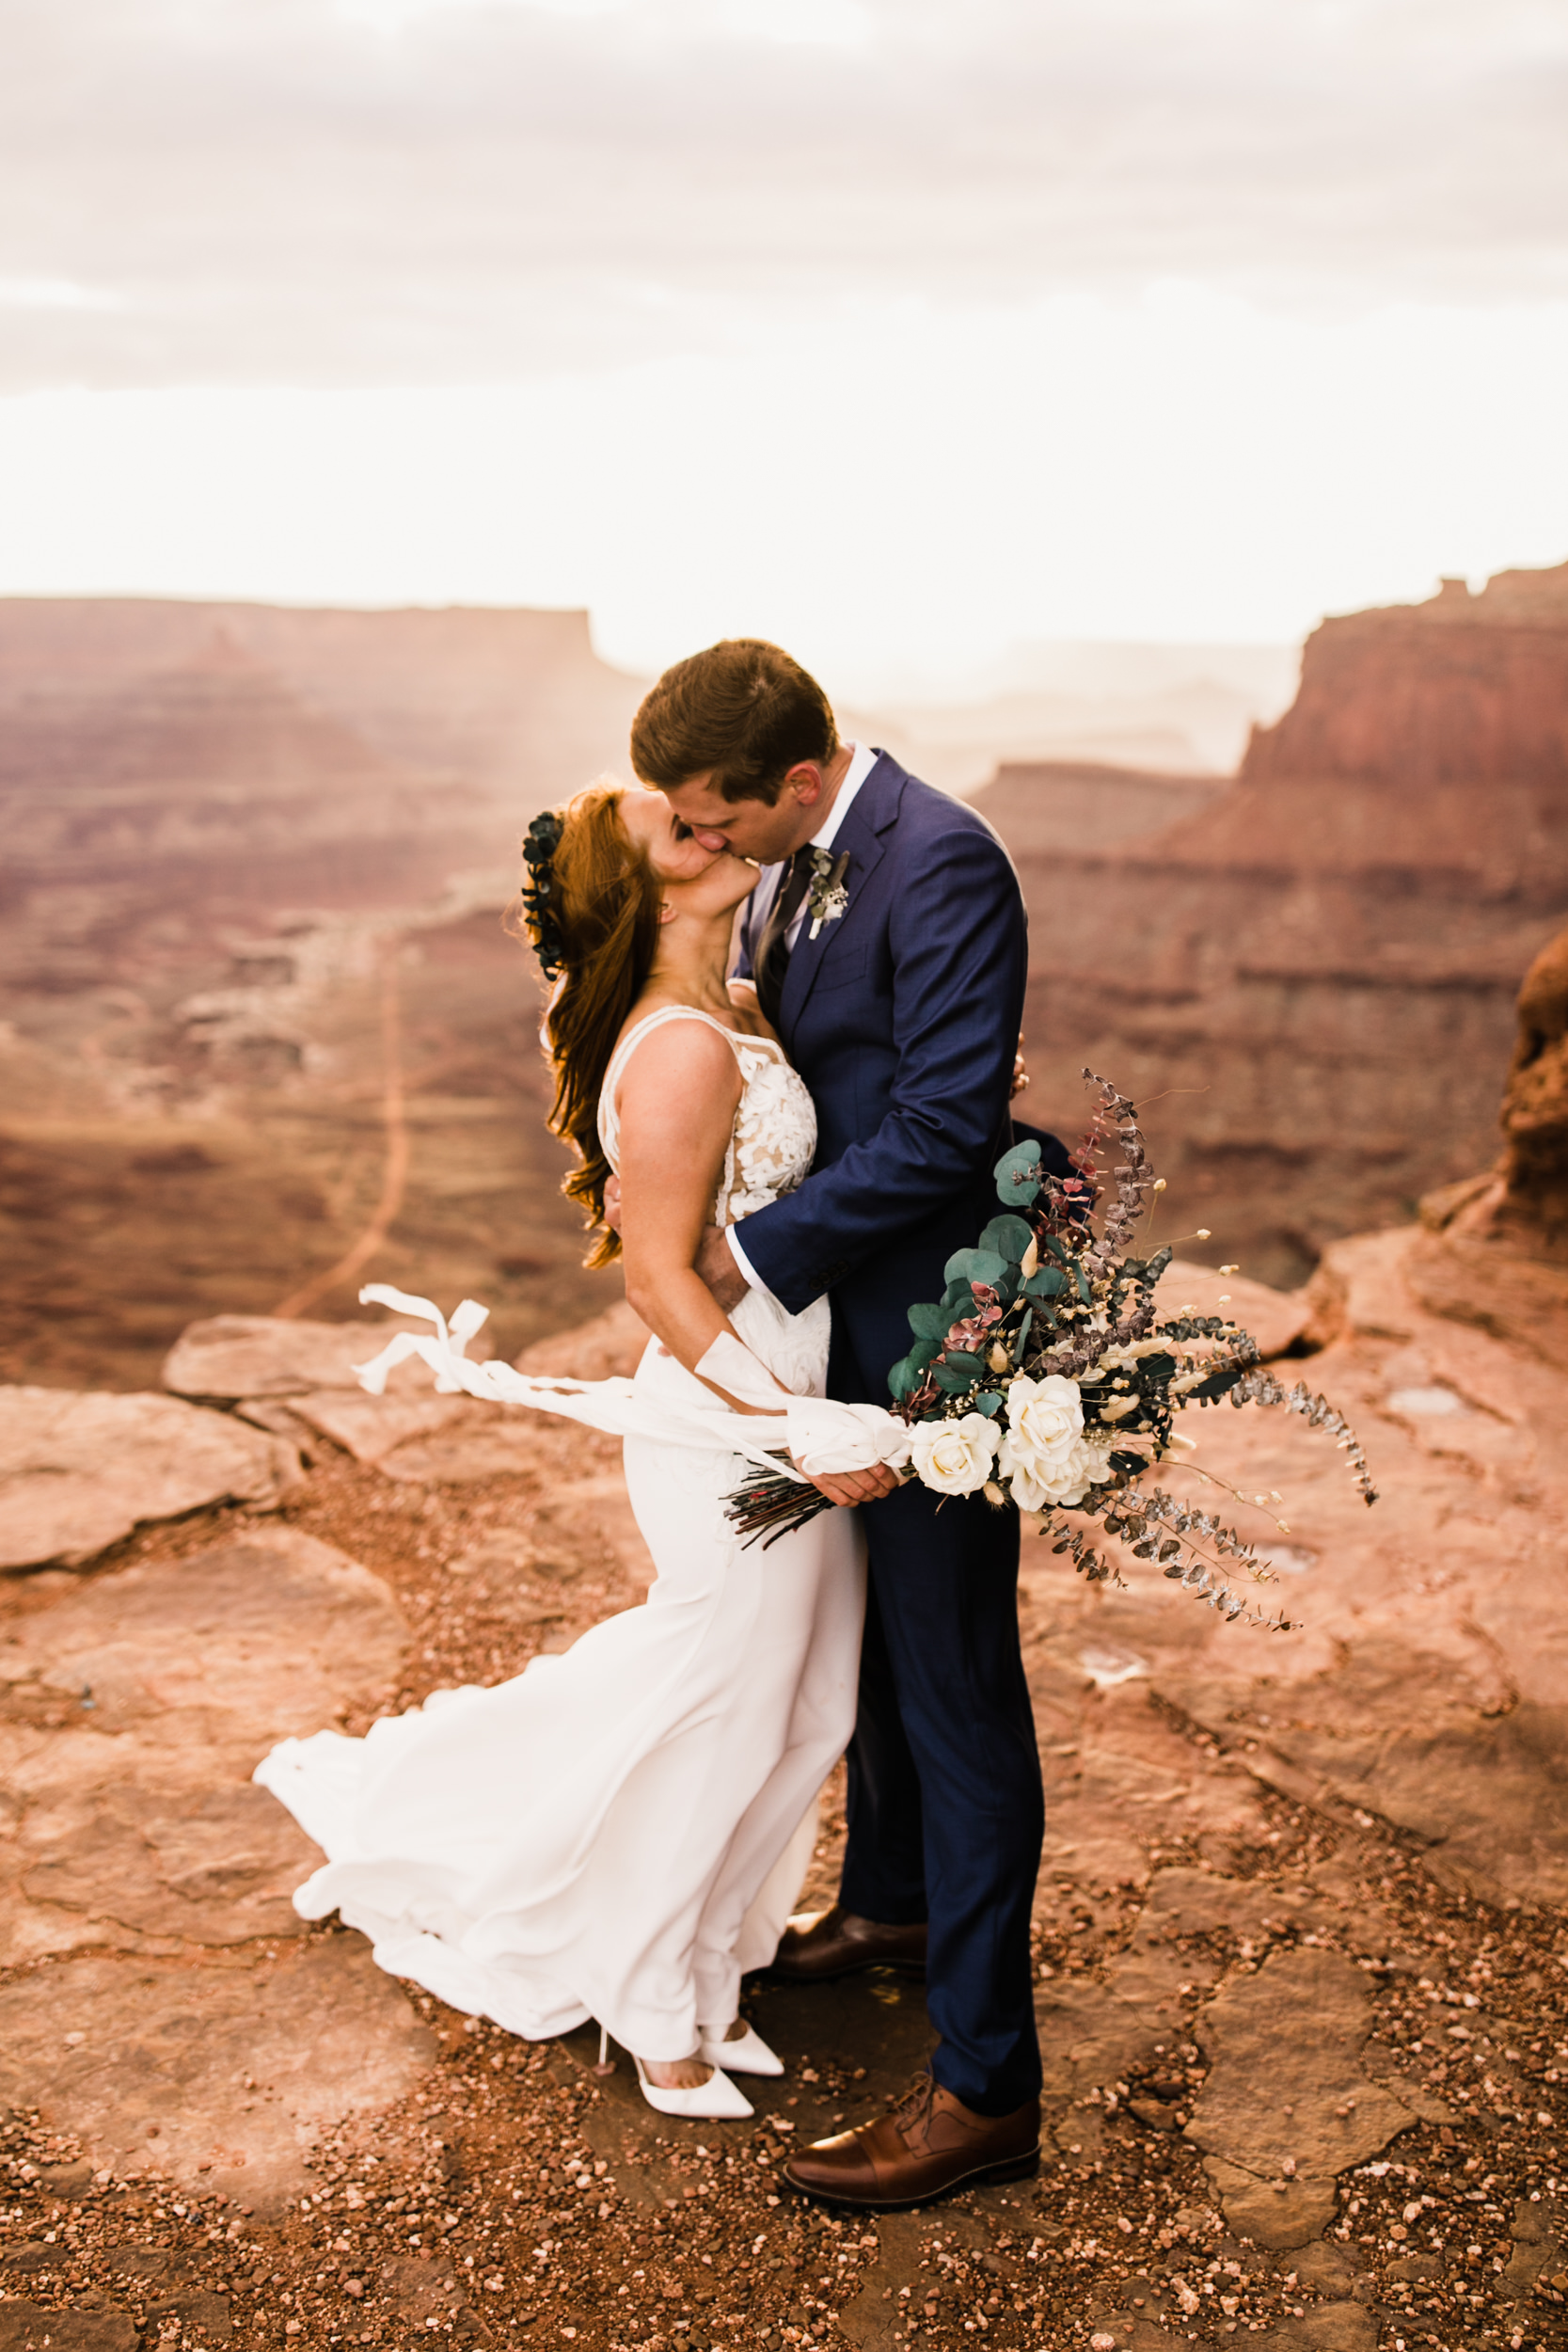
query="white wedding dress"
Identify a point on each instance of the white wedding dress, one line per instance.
(621, 1832)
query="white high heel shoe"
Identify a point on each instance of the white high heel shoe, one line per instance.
(751, 2055)
(716, 2098)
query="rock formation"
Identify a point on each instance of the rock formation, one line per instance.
(1535, 1108)
(1311, 978)
(1461, 690)
(78, 1473)
(1495, 1251)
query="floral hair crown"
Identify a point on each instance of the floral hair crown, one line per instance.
(539, 847)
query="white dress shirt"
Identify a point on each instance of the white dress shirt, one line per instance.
(862, 761)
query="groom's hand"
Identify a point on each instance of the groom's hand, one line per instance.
(717, 1266)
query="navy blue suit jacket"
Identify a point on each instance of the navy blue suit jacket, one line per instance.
(903, 1019)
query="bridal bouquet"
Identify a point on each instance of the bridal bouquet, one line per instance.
(1045, 1377)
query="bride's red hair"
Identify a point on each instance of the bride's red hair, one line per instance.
(604, 904)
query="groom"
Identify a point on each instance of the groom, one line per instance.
(886, 938)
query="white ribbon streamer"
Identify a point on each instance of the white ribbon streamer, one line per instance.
(824, 1436)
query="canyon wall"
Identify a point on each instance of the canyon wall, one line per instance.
(256, 1004)
(252, 864)
(1310, 979)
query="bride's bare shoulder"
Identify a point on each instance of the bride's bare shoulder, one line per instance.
(688, 1060)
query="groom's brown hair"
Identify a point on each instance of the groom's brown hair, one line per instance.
(743, 710)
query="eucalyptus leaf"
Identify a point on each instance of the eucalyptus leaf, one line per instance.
(1014, 1161)
(930, 1323)
(971, 1366)
(902, 1380)
(1010, 1237)
(974, 1266)
(1048, 1283)
(952, 1381)
(1017, 1175)
(988, 1403)
(921, 1352)
(959, 1300)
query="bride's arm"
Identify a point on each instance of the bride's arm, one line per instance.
(677, 1106)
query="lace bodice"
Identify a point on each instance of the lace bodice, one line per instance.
(774, 1136)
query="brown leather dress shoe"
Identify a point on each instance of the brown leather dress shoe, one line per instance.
(930, 2144)
(818, 1946)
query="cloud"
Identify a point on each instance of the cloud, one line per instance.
(405, 191)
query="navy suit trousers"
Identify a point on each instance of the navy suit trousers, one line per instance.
(946, 1807)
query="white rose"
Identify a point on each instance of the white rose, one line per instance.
(1041, 1486)
(1045, 1421)
(954, 1456)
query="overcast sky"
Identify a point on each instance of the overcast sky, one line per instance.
(914, 325)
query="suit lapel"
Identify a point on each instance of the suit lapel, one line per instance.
(873, 811)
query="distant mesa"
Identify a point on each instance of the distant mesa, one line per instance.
(513, 701)
(1081, 805)
(222, 650)
(216, 777)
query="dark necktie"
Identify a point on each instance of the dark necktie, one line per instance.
(771, 962)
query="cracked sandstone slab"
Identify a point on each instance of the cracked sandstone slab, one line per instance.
(1286, 2106)
(269, 1356)
(79, 1472)
(137, 1818)
(213, 2078)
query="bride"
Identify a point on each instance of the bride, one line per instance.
(622, 1832)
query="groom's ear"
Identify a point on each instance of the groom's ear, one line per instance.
(805, 781)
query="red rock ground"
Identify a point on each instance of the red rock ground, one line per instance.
(1299, 1933)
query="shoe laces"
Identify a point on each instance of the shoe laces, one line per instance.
(913, 2113)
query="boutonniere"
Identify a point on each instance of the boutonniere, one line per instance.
(827, 899)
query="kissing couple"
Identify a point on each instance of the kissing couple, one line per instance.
(620, 1833)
